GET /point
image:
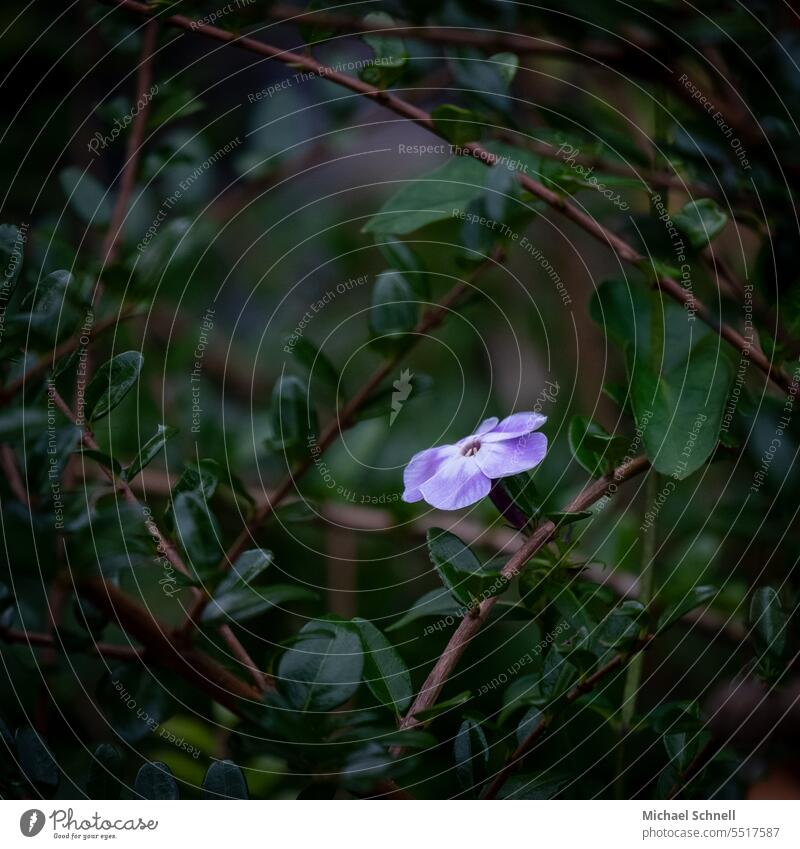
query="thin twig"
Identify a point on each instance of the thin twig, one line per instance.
(133, 148)
(621, 248)
(47, 641)
(9, 465)
(193, 665)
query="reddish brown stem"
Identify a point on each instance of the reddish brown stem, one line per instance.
(37, 640)
(191, 664)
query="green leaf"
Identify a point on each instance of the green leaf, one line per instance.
(471, 751)
(292, 420)
(35, 761)
(460, 571)
(104, 780)
(100, 457)
(242, 602)
(155, 781)
(323, 668)
(385, 673)
(224, 780)
(561, 518)
(390, 53)
(431, 198)
(680, 415)
(768, 621)
(456, 124)
(196, 530)
(394, 306)
(558, 675)
(443, 707)
(593, 447)
(529, 723)
(113, 381)
(623, 312)
(438, 602)
(249, 602)
(521, 489)
(149, 451)
(314, 361)
(86, 196)
(701, 221)
(507, 65)
(694, 598)
(401, 257)
(133, 701)
(622, 626)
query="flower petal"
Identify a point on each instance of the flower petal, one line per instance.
(422, 467)
(458, 483)
(517, 424)
(486, 425)
(511, 456)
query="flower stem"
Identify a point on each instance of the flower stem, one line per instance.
(506, 506)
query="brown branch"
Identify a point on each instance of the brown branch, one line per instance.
(472, 622)
(133, 148)
(164, 547)
(621, 248)
(9, 465)
(344, 419)
(191, 664)
(47, 641)
(586, 685)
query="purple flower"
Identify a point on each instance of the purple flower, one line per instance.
(453, 476)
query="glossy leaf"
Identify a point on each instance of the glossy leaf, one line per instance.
(768, 621)
(113, 381)
(385, 673)
(696, 597)
(681, 414)
(394, 308)
(701, 221)
(224, 780)
(292, 421)
(196, 530)
(149, 451)
(471, 750)
(323, 669)
(155, 781)
(460, 571)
